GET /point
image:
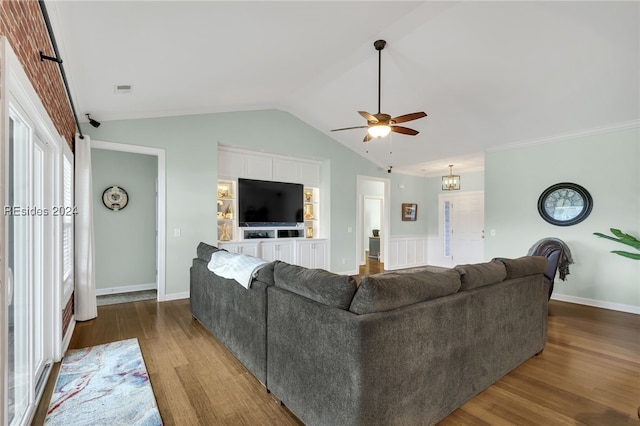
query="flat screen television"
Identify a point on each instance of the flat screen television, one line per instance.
(266, 203)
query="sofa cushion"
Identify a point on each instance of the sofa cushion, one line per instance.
(481, 274)
(265, 274)
(391, 290)
(523, 266)
(315, 284)
(205, 251)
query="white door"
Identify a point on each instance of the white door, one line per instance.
(461, 228)
(29, 248)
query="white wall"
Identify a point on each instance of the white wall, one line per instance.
(125, 241)
(607, 165)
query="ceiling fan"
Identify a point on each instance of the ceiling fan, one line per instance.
(380, 124)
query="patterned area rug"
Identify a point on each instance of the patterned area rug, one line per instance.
(104, 385)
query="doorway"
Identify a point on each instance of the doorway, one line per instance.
(373, 214)
(150, 200)
(461, 218)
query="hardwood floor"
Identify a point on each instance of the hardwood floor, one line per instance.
(588, 374)
(372, 266)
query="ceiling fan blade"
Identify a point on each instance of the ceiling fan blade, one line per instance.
(367, 137)
(349, 128)
(408, 117)
(404, 130)
(368, 117)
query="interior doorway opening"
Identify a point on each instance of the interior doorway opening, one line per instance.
(373, 223)
(156, 200)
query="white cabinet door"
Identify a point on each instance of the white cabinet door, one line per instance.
(309, 173)
(277, 250)
(230, 164)
(285, 170)
(235, 164)
(312, 253)
(250, 249)
(258, 167)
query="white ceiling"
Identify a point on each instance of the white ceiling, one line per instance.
(488, 74)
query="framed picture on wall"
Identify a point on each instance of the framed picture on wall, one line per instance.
(409, 211)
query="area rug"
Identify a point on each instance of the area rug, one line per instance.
(104, 385)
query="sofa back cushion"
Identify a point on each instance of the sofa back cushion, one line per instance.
(391, 290)
(205, 251)
(523, 266)
(481, 274)
(315, 284)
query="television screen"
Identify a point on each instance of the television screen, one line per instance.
(266, 203)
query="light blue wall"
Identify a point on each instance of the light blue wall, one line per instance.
(606, 165)
(125, 240)
(408, 189)
(191, 144)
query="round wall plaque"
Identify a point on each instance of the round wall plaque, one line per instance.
(115, 198)
(565, 204)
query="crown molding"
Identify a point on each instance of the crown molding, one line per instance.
(565, 136)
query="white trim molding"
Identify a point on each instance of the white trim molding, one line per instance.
(161, 248)
(126, 289)
(621, 307)
(632, 124)
(407, 252)
(177, 296)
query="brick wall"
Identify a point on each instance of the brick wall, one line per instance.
(23, 25)
(67, 313)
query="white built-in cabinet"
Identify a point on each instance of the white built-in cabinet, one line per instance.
(277, 250)
(236, 163)
(248, 248)
(312, 253)
(304, 247)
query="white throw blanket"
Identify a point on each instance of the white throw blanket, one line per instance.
(239, 267)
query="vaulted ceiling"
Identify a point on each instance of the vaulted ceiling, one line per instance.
(488, 74)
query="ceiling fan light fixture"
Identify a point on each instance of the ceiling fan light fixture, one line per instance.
(379, 131)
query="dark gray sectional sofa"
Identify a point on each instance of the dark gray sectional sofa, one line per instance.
(402, 348)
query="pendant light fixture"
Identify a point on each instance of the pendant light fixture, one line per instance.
(451, 182)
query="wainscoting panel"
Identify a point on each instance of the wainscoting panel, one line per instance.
(406, 252)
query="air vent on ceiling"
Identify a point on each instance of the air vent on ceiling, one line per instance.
(121, 89)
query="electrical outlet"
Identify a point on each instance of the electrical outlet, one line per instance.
(177, 232)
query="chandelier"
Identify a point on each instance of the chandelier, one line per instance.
(451, 182)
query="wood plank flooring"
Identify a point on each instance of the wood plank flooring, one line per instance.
(588, 374)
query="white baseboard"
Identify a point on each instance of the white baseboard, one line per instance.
(126, 289)
(632, 309)
(175, 296)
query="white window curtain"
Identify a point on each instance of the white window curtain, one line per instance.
(85, 288)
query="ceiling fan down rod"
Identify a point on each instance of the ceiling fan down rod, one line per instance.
(379, 45)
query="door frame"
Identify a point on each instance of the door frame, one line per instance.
(441, 259)
(18, 93)
(386, 218)
(161, 206)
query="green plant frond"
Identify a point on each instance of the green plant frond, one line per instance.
(635, 256)
(623, 238)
